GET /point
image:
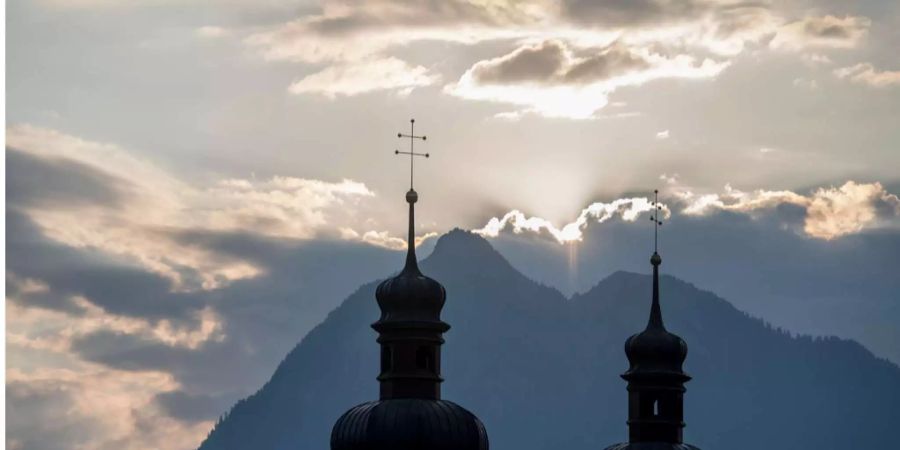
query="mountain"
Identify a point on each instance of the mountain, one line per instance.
(541, 370)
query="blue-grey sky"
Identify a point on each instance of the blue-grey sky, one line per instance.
(183, 175)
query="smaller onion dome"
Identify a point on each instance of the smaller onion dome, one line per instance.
(410, 296)
(409, 424)
(655, 350)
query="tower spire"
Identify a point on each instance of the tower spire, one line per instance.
(655, 320)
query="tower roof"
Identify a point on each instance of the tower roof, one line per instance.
(410, 297)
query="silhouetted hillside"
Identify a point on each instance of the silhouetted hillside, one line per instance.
(542, 371)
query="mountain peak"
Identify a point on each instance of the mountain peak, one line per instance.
(468, 254)
(458, 243)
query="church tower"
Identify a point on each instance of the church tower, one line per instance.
(655, 378)
(410, 414)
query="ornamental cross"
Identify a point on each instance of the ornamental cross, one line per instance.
(655, 218)
(412, 154)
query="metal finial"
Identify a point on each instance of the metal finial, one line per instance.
(412, 138)
(655, 218)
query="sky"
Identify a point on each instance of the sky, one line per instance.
(183, 176)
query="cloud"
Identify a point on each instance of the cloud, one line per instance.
(804, 83)
(830, 212)
(211, 32)
(348, 31)
(627, 209)
(94, 195)
(131, 288)
(85, 329)
(352, 16)
(822, 32)
(739, 201)
(366, 76)
(561, 46)
(280, 206)
(669, 179)
(834, 212)
(816, 59)
(866, 73)
(59, 182)
(56, 329)
(59, 407)
(569, 56)
(555, 79)
(551, 62)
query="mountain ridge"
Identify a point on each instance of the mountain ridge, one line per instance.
(519, 349)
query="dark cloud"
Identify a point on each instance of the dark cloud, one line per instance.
(612, 61)
(362, 15)
(44, 182)
(261, 318)
(823, 31)
(116, 285)
(551, 62)
(631, 12)
(539, 64)
(128, 351)
(821, 27)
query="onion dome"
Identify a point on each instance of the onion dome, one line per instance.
(409, 424)
(655, 350)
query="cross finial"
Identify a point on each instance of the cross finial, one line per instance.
(412, 154)
(655, 218)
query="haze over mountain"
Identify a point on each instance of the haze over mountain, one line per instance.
(541, 370)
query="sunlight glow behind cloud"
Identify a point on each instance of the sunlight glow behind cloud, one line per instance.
(830, 212)
(627, 209)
